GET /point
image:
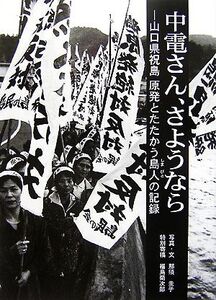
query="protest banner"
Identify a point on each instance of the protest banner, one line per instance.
(28, 94)
(26, 8)
(117, 199)
(202, 108)
(120, 104)
(179, 255)
(86, 107)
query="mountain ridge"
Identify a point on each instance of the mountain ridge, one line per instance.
(201, 47)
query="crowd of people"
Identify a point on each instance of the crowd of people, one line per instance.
(45, 257)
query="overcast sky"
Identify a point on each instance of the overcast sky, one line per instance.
(95, 13)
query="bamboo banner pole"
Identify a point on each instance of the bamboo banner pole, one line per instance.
(23, 238)
(63, 146)
(3, 131)
(119, 42)
(9, 134)
(114, 63)
(110, 51)
(20, 19)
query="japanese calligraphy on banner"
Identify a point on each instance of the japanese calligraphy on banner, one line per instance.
(202, 110)
(82, 67)
(117, 200)
(22, 84)
(36, 98)
(86, 108)
(58, 61)
(85, 67)
(77, 62)
(27, 6)
(121, 103)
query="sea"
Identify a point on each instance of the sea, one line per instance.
(202, 226)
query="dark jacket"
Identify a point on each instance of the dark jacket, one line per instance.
(36, 258)
(74, 257)
(64, 235)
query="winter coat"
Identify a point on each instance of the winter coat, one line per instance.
(74, 257)
(64, 235)
(36, 259)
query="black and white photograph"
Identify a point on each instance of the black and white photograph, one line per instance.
(107, 149)
(73, 120)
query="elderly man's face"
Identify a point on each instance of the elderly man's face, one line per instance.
(64, 184)
(10, 194)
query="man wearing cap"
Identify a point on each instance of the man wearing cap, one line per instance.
(65, 238)
(24, 247)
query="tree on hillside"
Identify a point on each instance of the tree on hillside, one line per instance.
(88, 38)
(199, 55)
(8, 46)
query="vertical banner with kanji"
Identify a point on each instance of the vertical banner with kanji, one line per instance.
(120, 107)
(27, 6)
(167, 140)
(117, 200)
(30, 95)
(202, 110)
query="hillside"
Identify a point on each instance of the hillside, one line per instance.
(203, 40)
(8, 45)
(201, 47)
(201, 50)
(87, 38)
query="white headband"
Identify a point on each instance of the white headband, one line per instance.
(12, 174)
(62, 169)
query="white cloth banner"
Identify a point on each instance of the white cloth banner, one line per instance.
(122, 99)
(21, 87)
(85, 67)
(33, 91)
(86, 108)
(76, 75)
(77, 62)
(26, 11)
(202, 109)
(117, 200)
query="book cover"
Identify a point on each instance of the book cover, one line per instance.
(137, 78)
